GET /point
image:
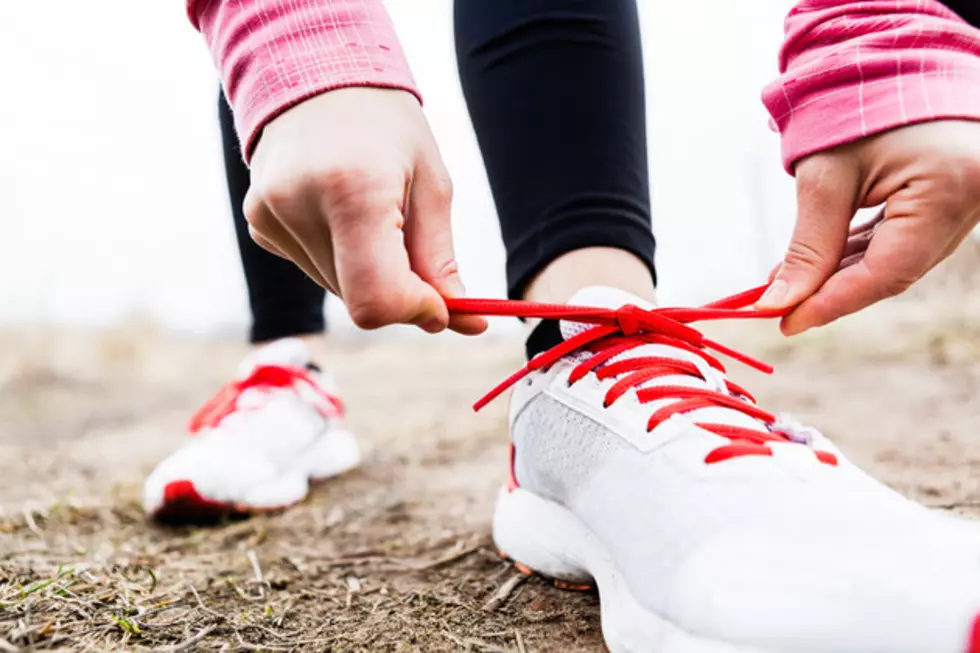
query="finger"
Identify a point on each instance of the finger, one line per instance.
(859, 238)
(870, 225)
(857, 243)
(827, 193)
(429, 241)
(264, 243)
(901, 252)
(267, 245)
(375, 277)
(273, 237)
(774, 272)
(848, 261)
(301, 222)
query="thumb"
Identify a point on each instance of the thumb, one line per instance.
(827, 196)
(429, 240)
(375, 277)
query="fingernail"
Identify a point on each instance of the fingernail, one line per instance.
(794, 331)
(456, 286)
(432, 326)
(775, 296)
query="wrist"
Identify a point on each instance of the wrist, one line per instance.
(275, 54)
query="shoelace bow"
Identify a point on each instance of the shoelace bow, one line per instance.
(615, 331)
(225, 401)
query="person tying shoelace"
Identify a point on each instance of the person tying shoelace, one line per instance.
(708, 523)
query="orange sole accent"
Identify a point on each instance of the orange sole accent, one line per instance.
(524, 569)
(572, 587)
(511, 483)
(557, 582)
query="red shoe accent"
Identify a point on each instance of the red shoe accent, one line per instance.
(974, 646)
(224, 402)
(618, 330)
(511, 478)
(183, 503)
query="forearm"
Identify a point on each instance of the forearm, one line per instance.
(273, 54)
(852, 69)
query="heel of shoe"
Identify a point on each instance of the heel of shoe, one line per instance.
(541, 536)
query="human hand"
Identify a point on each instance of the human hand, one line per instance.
(927, 176)
(349, 185)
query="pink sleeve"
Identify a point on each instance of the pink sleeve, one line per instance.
(273, 54)
(852, 69)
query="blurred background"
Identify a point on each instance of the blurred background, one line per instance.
(123, 307)
(115, 205)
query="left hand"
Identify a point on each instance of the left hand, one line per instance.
(927, 176)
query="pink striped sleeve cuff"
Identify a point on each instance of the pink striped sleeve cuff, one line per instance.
(852, 69)
(273, 54)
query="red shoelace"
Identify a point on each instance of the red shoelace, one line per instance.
(618, 330)
(225, 401)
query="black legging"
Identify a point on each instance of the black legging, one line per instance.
(555, 92)
(284, 301)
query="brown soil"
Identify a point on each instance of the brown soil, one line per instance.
(397, 555)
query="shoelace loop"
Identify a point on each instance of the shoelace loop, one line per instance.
(225, 401)
(615, 331)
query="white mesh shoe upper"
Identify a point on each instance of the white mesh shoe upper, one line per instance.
(781, 552)
(270, 434)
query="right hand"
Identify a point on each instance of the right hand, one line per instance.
(349, 185)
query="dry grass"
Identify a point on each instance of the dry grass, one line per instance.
(254, 586)
(397, 555)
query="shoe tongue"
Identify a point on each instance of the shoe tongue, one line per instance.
(599, 297)
(608, 297)
(287, 352)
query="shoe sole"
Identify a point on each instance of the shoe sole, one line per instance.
(542, 537)
(333, 454)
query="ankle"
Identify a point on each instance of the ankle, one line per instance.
(592, 266)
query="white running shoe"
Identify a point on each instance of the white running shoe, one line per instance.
(258, 443)
(707, 524)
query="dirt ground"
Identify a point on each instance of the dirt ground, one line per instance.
(397, 555)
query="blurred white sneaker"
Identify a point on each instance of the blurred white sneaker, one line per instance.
(707, 524)
(258, 443)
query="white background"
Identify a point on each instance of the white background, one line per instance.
(113, 195)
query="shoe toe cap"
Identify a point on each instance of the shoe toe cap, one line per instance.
(823, 593)
(206, 477)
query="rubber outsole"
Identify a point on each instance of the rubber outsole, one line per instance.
(557, 582)
(543, 538)
(184, 504)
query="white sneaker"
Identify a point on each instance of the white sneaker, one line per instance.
(258, 443)
(708, 525)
